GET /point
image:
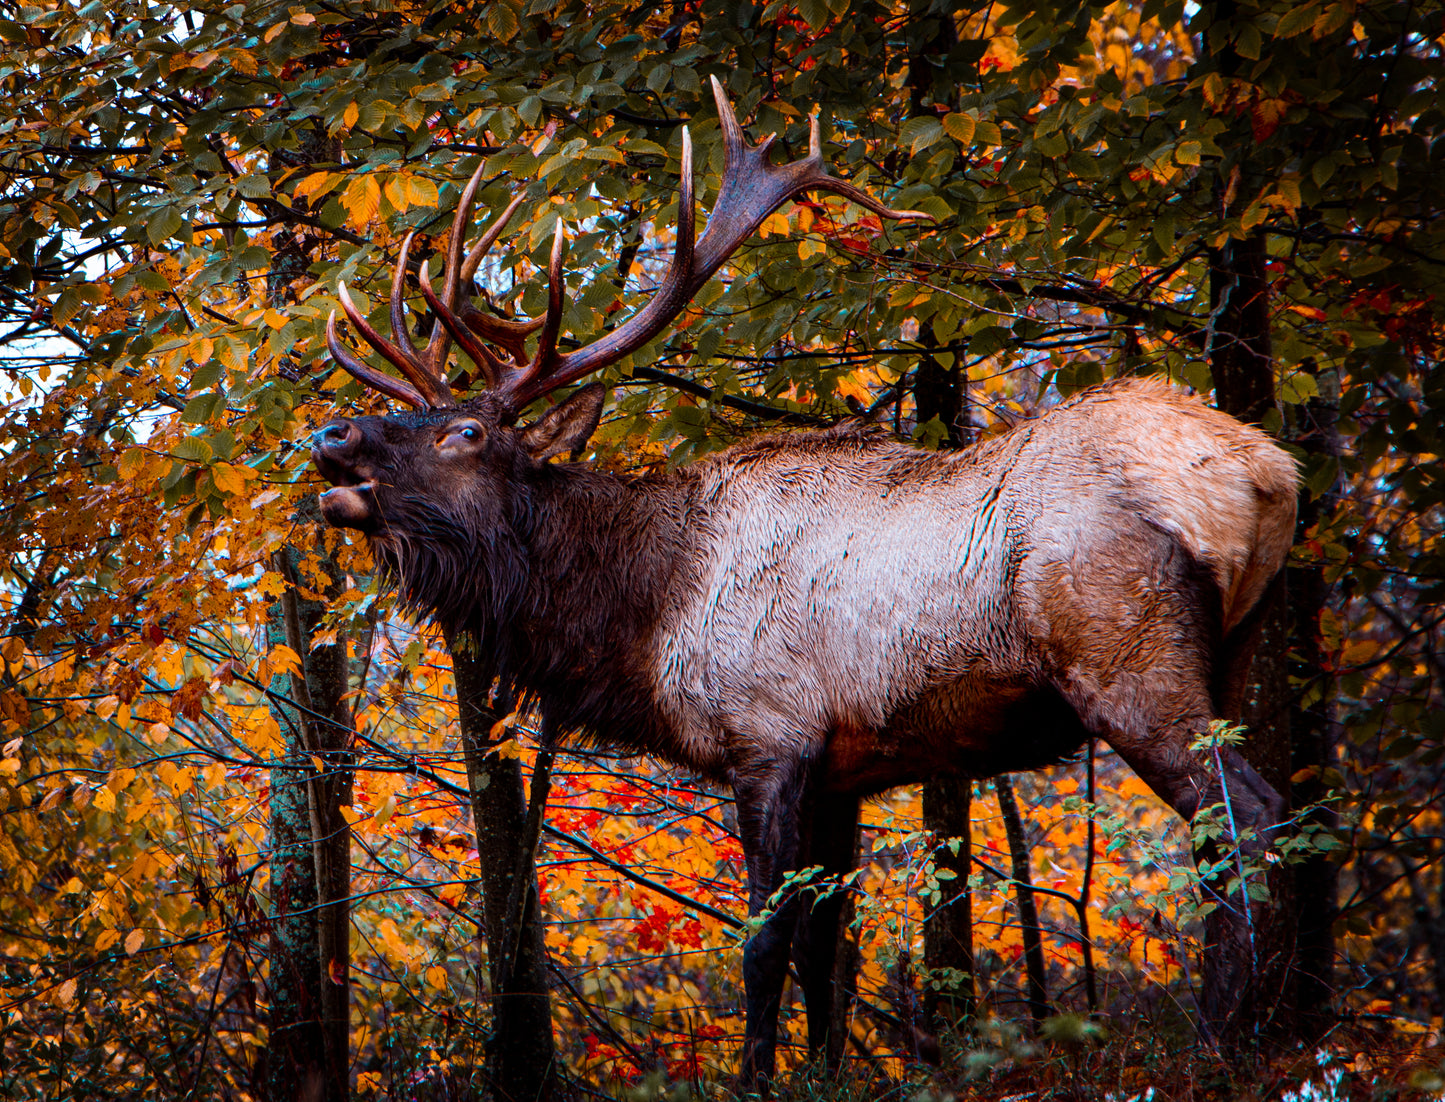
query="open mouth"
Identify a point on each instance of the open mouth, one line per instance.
(349, 503)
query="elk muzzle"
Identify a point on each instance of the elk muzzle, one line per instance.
(350, 503)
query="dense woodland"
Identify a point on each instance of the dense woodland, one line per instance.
(261, 840)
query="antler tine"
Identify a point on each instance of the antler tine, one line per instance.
(434, 393)
(751, 190)
(364, 373)
(545, 358)
(509, 333)
(464, 334)
(428, 372)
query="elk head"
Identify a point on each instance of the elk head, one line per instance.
(447, 476)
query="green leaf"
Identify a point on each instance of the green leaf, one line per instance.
(502, 20)
(1248, 43)
(1296, 20)
(193, 449)
(959, 127)
(200, 409)
(919, 133)
(162, 224)
(815, 12)
(66, 307)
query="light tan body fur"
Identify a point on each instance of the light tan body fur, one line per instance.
(893, 603)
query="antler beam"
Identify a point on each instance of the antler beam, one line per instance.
(751, 190)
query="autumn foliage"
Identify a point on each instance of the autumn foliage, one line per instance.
(183, 188)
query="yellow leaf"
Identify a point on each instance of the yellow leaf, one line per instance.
(452, 893)
(72, 886)
(384, 812)
(215, 775)
(350, 814)
(132, 463)
(362, 200)
(106, 939)
(202, 350)
(133, 941)
(436, 976)
(774, 223)
(231, 478)
(282, 659)
(303, 18)
(105, 800)
(421, 192)
(509, 749)
(311, 185)
(66, 993)
(52, 798)
(105, 707)
(350, 115)
(12, 765)
(243, 61)
(318, 763)
(156, 733)
(81, 799)
(274, 32)
(275, 319)
(503, 724)
(398, 192)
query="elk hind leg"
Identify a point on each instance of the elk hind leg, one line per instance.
(1153, 722)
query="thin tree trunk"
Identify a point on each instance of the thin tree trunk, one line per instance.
(949, 1000)
(1312, 725)
(311, 858)
(1246, 996)
(522, 1055)
(1018, 847)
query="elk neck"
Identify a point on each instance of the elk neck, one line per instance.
(602, 554)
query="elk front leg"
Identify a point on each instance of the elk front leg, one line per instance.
(774, 799)
(832, 844)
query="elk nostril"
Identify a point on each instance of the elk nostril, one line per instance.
(335, 435)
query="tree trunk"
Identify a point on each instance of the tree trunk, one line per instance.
(310, 859)
(948, 998)
(1312, 723)
(521, 1057)
(1240, 359)
(1018, 847)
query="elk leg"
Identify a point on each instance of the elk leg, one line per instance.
(832, 844)
(1152, 728)
(774, 799)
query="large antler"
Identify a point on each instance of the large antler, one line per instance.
(751, 190)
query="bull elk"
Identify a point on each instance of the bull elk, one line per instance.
(813, 617)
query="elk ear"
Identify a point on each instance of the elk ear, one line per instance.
(565, 427)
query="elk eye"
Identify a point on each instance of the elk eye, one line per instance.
(469, 432)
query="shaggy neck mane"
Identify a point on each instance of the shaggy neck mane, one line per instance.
(563, 595)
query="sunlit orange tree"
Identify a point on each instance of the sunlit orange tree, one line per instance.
(240, 803)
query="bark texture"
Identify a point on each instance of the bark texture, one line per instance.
(521, 1056)
(310, 859)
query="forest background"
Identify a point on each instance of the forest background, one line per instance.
(241, 807)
